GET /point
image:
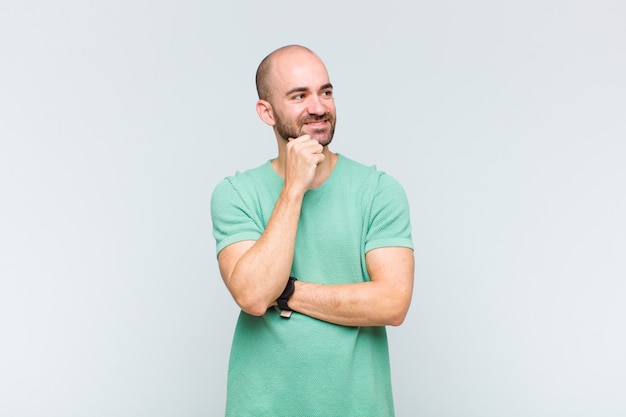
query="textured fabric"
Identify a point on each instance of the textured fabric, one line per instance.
(303, 366)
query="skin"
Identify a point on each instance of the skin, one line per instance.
(301, 111)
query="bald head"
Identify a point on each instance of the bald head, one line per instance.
(265, 74)
(295, 95)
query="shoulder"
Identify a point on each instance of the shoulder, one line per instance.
(369, 175)
(245, 179)
(248, 175)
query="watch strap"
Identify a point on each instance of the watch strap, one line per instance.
(284, 297)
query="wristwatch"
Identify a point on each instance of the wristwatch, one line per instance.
(284, 297)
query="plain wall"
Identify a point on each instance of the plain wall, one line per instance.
(505, 122)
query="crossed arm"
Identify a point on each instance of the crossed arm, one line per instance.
(382, 301)
(256, 273)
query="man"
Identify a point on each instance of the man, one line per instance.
(316, 250)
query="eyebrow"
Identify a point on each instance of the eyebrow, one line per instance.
(302, 89)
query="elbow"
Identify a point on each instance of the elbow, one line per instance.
(250, 301)
(255, 311)
(400, 308)
(252, 307)
(397, 318)
(398, 314)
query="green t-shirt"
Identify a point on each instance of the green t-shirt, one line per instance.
(303, 366)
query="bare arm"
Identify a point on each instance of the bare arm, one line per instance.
(256, 272)
(382, 301)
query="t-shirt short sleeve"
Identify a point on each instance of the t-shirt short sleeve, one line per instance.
(389, 218)
(232, 221)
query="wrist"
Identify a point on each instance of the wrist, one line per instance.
(283, 299)
(293, 193)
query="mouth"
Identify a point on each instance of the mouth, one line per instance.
(317, 123)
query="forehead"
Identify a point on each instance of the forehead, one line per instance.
(299, 69)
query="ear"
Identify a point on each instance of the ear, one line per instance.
(265, 112)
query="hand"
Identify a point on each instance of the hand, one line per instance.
(304, 154)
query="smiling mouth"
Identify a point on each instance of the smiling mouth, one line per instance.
(316, 122)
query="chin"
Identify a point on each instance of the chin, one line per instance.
(323, 138)
(324, 141)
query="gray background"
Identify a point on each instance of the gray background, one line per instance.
(505, 121)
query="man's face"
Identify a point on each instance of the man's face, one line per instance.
(303, 99)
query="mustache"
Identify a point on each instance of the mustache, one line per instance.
(315, 118)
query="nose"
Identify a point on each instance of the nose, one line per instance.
(315, 106)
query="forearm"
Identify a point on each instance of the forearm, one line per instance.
(260, 273)
(359, 304)
(384, 300)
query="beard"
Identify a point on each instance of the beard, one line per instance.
(288, 130)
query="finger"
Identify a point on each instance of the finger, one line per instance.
(301, 138)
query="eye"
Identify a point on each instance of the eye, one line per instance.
(327, 93)
(298, 96)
